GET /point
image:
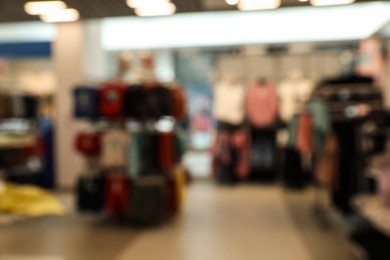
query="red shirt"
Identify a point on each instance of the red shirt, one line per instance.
(88, 143)
(305, 133)
(117, 194)
(166, 151)
(112, 99)
(179, 101)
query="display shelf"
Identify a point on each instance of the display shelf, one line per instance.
(372, 209)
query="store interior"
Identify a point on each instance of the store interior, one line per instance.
(195, 129)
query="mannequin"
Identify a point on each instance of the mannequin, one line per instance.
(229, 100)
(143, 74)
(293, 92)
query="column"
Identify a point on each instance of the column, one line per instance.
(78, 59)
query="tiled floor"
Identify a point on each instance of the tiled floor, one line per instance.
(225, 224)
(218, 223)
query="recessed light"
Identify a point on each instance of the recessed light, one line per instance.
(331, 2)
(60, 16)
(232, 2)
(43, 7)
(156, 10)
(246, 5)
(143, 3)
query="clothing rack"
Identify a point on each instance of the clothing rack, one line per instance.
(138, 200)
(345, 100)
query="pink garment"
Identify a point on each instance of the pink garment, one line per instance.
(240, 141)
(220, 150)
(223, 146)
(261, 104)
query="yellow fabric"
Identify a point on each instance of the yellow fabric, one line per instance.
(180, 186)
(28, 200)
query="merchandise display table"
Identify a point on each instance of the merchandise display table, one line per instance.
(372, 209)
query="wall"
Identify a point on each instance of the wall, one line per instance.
(275, 68)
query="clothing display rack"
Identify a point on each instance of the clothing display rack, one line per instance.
(371, 204)
(245, 144)
(133, 151)
(21, 148)
(351, 105)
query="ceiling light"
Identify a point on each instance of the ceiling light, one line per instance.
(330, 2)
(303, 1)
(59, 16)
(246, 5)
(232, 2)
(143, 3)
(156, 10)
(43, 7)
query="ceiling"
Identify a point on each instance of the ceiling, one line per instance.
(12, 10)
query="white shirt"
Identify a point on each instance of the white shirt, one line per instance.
(292, 95)
(229, 103)
(114, 148)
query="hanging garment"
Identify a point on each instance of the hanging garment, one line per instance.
(176, 190)
(305, 133)
(179, 102)
(231, 156)
(158, 102)
(135, 98)
(180, 176)
(118, 192)
(292, 129)
(293, 93)
(293, 176)
(90, 193)
(262, 155)
(47, 131)
(146, 149)
(321, 122)
(229, 102)
(224, 159)
(326, 169)
(86, 102)
(25, 106)
(166, 152)
(261, 105)
(10, 157)
(180, 146)
(6, 108)
(36, 148)
(88, 143)
(134, 156)
(155, 152)
(221, 151)
(149, 200)
(112, 99)
(114, 147)
(349, 166)
(241, 142)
